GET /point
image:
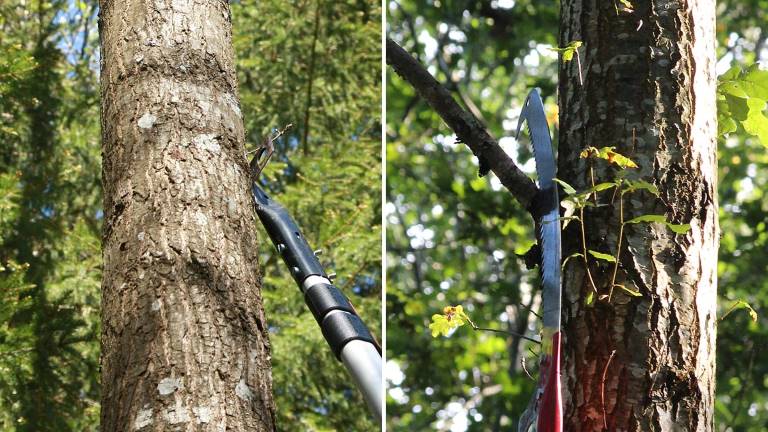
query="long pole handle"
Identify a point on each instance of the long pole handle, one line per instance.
(350, 340)
(346, 334)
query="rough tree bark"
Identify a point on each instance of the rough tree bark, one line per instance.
(647, 72)
(184, 340)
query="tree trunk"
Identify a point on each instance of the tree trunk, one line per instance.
(648, 73)
(184, 340)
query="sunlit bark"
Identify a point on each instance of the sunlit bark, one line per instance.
(184, 340)
(648, 89)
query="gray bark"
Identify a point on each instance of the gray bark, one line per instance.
(648, 72)
(184, 339)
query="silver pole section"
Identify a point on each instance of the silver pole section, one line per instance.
(363, 362)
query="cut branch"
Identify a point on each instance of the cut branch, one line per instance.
(467, 128)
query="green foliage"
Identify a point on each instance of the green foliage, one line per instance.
(609, 154)
(451, 318)
(50, 200)
(577, 201)
(451, 238)
(569, 50)
(326, 171)
(742, 392)
(602, 256)
(742, 95)
(676, 228)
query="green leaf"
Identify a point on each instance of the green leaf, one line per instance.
(569, 50)
(730, 74)
(590, 298)
(676, 228)
(755, 83)
(726, 125)
(647, 218)
(451, 318)
(733, 88)
(458, 188)
(602, 256)
(737, 107)
(679, 228)
(609, 154)
(568, 189)
(573, 255)
(641, 185)
(439, 326)
(629, 291)
(742, 97)
(756, 122)
(478, 184)
(601, 187)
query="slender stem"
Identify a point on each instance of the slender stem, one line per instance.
(511, 333)
(592, 178)
(621, 234)
(584, 249)
(578, 63)
(529, 309)
(602, 388)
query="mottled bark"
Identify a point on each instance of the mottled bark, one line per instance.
(648, 73)
(184, 340)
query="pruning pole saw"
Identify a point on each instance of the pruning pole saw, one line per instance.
(345, 332)
(545, 412)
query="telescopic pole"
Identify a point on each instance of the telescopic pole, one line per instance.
(342, 328)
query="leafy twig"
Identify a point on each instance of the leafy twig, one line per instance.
(568, 52)
(454, 316)
(511, 333)
(740, 304)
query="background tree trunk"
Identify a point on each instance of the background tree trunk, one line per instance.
(184, 340)
(648, 73)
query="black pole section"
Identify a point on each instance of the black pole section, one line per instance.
(322, 298)
(346, 334)
(286, 236)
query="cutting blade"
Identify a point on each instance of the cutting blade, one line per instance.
(544, 413)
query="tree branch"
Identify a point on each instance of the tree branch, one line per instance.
(467, 128)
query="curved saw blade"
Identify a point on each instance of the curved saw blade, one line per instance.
(545, 408)
(533, 114)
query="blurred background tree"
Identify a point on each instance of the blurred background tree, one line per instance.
(452, 237)
(314, 64)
